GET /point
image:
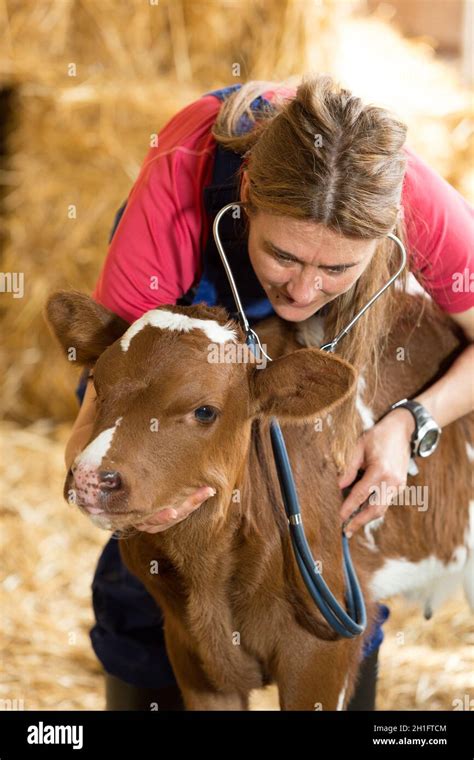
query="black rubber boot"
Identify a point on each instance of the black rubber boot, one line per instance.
(120, 695)
(365, 693)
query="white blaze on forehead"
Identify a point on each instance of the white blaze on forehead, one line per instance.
(168, 320)
(94, 453)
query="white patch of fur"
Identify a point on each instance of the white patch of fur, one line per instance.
(470, 451)
(369, 529)
(101, 521)
(168, 320)
(97, 449)
(366, 414)
(342, 696)
(429, 581)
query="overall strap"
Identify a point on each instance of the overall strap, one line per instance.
(213, 287)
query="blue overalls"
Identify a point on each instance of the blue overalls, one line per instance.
(128, 635)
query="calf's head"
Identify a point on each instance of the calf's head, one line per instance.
(170, 417)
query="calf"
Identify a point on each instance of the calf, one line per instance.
(171, 419)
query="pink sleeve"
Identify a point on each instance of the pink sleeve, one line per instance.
(155, 254)
(440, 231)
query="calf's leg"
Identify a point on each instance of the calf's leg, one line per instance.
(316, 675)
(196, 688)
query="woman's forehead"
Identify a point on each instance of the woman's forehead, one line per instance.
(305, 239)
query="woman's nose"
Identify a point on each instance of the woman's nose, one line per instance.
(304, 290)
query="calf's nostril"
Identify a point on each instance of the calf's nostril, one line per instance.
(109, 480)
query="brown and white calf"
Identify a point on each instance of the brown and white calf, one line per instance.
(169, 420)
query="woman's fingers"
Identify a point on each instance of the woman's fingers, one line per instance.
(349, 475)
(367, 514)
(169, 516)
(359, 494)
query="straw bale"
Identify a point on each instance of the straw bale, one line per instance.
(94, 82)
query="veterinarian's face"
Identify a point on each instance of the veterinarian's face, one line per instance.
(302, 265)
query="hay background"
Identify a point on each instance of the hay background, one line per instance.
(80, 140)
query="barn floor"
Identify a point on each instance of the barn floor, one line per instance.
(48, 556)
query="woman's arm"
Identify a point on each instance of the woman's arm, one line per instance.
(440, 230)
(155, 255)
(384, 451)
(452, 396)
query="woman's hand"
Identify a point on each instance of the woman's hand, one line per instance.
(169, 516)
(384, 453)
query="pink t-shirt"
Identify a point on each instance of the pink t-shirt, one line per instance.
(155, 255)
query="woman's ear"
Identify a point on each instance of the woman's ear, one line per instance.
(244, 187)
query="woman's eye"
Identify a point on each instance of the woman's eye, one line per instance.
(333, 270)
(205, 414)
(284, 259)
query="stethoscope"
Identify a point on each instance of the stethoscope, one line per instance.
(353, 622)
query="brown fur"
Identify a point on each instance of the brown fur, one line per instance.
(237, 614)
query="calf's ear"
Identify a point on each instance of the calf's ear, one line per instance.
(83, 327)
(301, 385)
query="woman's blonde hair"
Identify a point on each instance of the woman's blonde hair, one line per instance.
(324, 155)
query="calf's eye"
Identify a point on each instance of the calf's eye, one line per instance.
(205, 414)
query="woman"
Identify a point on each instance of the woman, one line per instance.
(324, 179)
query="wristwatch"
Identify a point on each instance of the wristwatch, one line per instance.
(427, 432)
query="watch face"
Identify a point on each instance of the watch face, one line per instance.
(428, 443)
